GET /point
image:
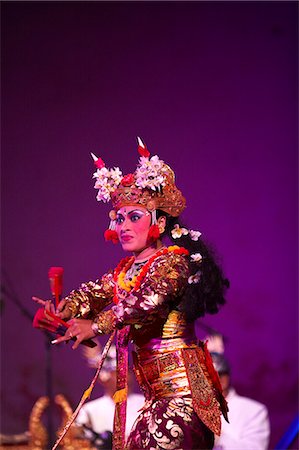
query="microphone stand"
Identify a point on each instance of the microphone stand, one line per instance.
(10, 293)
(49, 390)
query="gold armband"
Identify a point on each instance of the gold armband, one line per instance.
(105, 322)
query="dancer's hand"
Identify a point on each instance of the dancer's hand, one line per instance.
(47, 304)
(62, 312)
(79, 329)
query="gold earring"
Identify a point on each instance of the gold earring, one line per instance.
(161, 229)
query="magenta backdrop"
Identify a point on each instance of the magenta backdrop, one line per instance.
(212, 88)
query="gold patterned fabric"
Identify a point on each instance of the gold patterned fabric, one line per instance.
(105, 322)
(182, 409)
(91, 298)
(147, 308)
(177, 367)
(170, 424)
(204, 397)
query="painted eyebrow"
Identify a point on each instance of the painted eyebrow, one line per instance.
(136, 211)
(131, 212)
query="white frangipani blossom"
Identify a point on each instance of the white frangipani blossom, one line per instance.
(196, 257)
(116, 174)
(195, 235)
(194, 279)
(149, 173)
(107, 180)
(178, 232)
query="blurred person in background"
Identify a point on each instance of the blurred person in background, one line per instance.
(249, 426)
(96, 416)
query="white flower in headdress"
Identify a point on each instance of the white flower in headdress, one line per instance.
(196, 257)
(107, 180)
(116, 175)
(194, 235)
(100, 174)
(149, 173)
(194, 279)
(178, 232)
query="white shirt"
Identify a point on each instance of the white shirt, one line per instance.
(248, 427)
(98, 414)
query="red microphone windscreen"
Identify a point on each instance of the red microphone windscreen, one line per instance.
(55, 277)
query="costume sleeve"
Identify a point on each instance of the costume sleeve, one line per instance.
(91, 298)
(158, 292)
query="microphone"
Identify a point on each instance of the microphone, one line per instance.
(48, 320)
(55, 278)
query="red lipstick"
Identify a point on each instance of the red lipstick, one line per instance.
(126, 238)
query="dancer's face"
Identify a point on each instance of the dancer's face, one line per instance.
(132, 226)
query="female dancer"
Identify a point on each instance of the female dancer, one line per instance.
(154, 297)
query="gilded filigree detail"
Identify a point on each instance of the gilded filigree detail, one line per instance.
(106, 321)
(204, 397)
(168, 274)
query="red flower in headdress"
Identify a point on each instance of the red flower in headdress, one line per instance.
(127, 180)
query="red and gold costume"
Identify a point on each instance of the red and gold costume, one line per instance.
(145, 299)
(183, 395)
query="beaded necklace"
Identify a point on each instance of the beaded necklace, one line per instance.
(134, 283)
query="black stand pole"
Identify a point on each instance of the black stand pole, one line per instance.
(49, 390)
(8, 291)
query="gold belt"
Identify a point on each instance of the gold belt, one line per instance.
(164, 375)
(161, 365)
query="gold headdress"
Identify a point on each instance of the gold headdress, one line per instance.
(152, 185)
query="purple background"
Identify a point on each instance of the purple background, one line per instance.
(212, 89)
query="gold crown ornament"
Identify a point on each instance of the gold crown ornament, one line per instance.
(152, 186)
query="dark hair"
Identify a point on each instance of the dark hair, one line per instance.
(207, 295)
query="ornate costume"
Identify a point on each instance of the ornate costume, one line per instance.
(182, 390)
(182, 395)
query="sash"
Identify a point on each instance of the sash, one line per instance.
(120, 396)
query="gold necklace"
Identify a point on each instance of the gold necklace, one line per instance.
(134, 283)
